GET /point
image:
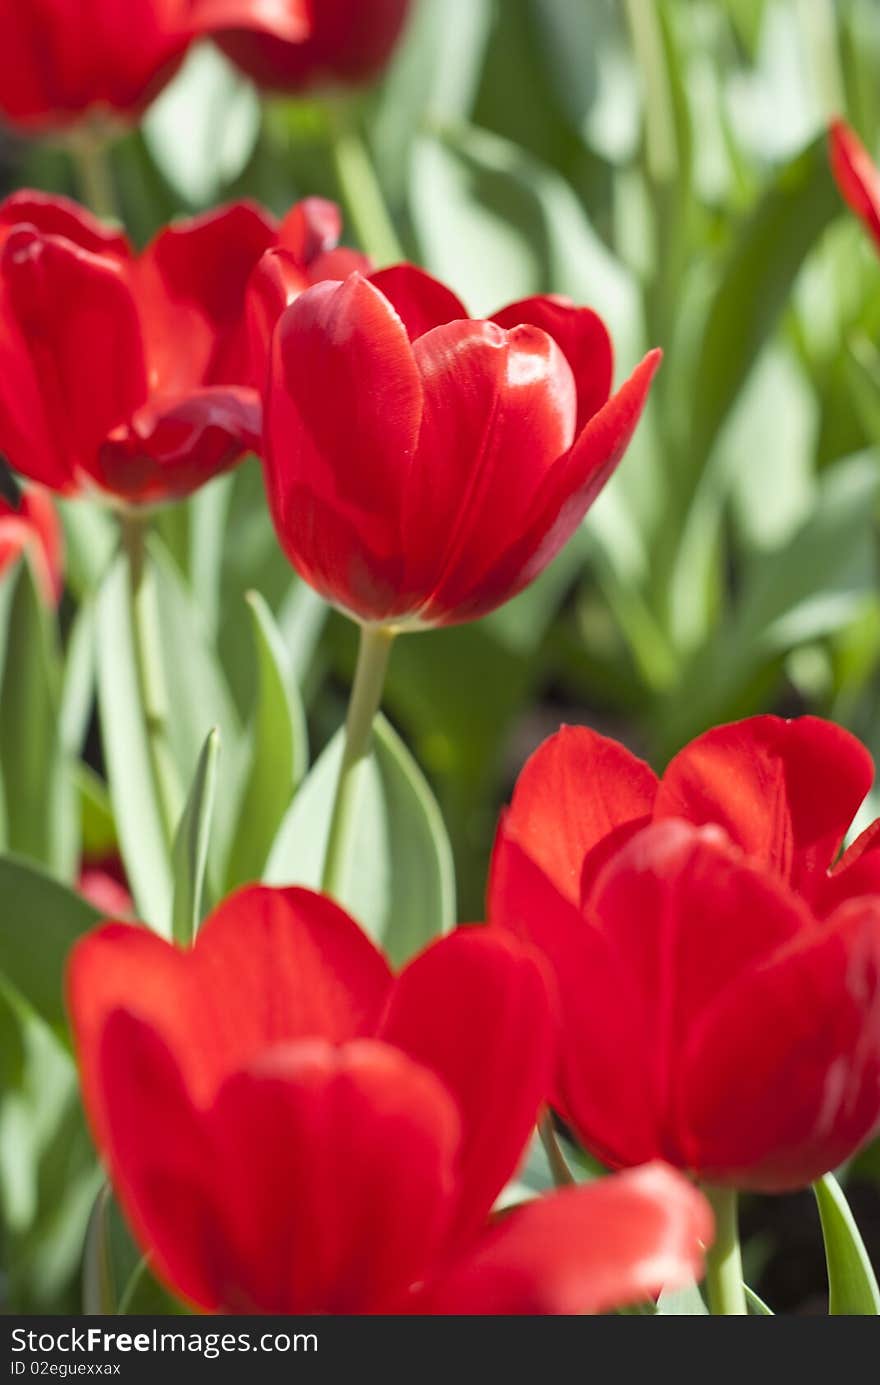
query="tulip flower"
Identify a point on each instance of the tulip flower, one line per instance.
(856, 176)
(709, 1017)
(348, 43)
(291, 1129)
(130, 373)
(32, 527)
(60, 66)
(102, 881)
(423, 467)
(785, 792)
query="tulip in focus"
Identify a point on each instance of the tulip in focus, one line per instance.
(126, 373)
(719, 975)
(291, 1129)
(349, 42)
(63, 63)
(856, 175)
(423, 467)
(32, 527)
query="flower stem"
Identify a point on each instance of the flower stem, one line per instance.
(366, 695)
(94, 174)
(144, 618)
(724, 1273)
(360, 190)
(562, 1175)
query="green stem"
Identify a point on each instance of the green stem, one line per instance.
(366, 695)
(724, 1272)
(562, 1175)
(144, 618)
(90, 157)
(361, 193)
(661, 144)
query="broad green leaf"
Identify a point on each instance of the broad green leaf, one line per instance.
(190, 854)
(12, 1055)
(99, 838)
(203, 128)
(687, 1302)
(90, 539)
(98, 1288)
(278, 752)
(78, 686)
(41, 820)
(756, 1305)
(852, 1284)
(399, 879)
(136, 806)
(39, 922)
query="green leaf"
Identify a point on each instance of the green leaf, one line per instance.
(78, 686)
(279, 752)
(136, 806)
(400, 881)
(190, 854)
(40, 814)
(687, 1302)
(852, 1284)
(12, 1054)
(39, 922)
(98, 1290)
(756, 1306)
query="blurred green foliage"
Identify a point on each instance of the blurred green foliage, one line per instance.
(661, 160)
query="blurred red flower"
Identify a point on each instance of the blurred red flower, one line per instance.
(290, 1129)
(720, 984)
(103, 882)
(349, 42)
(422, 466)
(32, 527)
(856, 175)
(60, 65)
(131, 373)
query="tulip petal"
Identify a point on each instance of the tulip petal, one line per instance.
(784, 791)
(34, 528)
(343, 417)
(191, 286)
(614, 1242)
(497, 1067)
(856, 175)
(71, 356)
(420, 301)
(583, 338)
(576, 788)
(171, 447)
(499, 411)
(268, 966)
(781, 1080)
(53, 215)
(340, 1170)
(288, 20)
(856, 874)
(311, 228)
(566, 493)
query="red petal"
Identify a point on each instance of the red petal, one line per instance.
(567, 491)
(192, 282)
(289, 20)
(71, 357)
(785, 791)
(338, 1168)
(856, 874)
(343, 417)
(574, 790)
(497, 1063)
(34, 528)
(611, 1243)
(582, 336)
(311, 228)
(420, 301)
(781, 1081)
(499, 412)
(53, 215)
(171, 447)
(856, 175)
(268, 966)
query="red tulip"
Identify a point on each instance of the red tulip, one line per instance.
(32, 527)
(711, 1016)
(423, 467)
(59, 65)
(290, 1129)
(785, 792)
(349, 42)
(856, 175)
(102, 881)
(130, 373)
